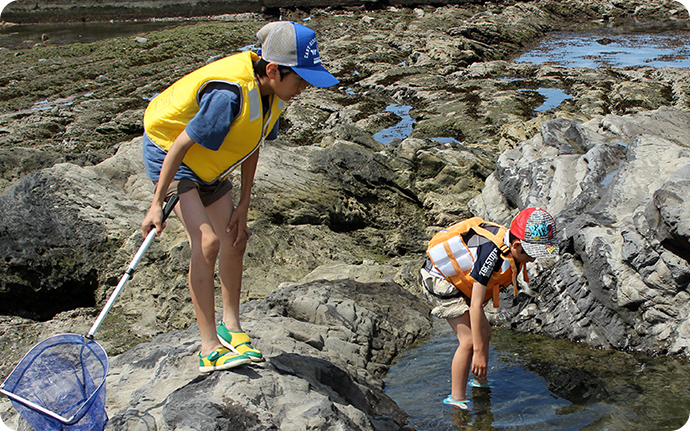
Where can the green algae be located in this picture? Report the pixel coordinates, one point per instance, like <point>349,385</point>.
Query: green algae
<point>92,84</point>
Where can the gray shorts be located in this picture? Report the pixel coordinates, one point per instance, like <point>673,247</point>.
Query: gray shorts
<point>209,193</point>
<point>444,308</point>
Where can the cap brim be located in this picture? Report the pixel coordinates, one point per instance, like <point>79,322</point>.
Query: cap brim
<point>540,250</point>
<point>317,76</point>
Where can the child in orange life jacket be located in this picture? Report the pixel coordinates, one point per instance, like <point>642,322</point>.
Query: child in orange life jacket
<point>196,132</point>
<point>467,265</point>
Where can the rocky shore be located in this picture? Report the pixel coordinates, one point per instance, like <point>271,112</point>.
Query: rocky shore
<point>328,345</point>
<point>28,11</point>
<point>340,221</point>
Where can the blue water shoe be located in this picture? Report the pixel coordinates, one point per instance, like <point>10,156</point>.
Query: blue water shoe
<point>461,404</point>
<point>479,384</point>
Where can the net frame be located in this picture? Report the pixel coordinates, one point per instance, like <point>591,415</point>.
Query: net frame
<point>60,384</point>
<point>85,409</point>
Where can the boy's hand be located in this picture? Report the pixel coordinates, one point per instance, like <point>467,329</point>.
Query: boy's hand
<point>479,364</point>
<point>238,220</point>
<point>154,218</point>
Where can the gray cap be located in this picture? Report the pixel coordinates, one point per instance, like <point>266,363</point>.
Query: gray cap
<point>294,45</point>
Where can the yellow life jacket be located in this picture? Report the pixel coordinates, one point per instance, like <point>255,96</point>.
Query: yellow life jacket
<point>454,259</point>
<point>169,113</point>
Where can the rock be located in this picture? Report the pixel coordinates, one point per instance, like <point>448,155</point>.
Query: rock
<point>43,231</point>
<point>330,202</point>
<point>327,346</point>
<point>328,197</point>
<point>622,279</point>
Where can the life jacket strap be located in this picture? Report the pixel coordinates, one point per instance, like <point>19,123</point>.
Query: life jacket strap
<point>497,238</point>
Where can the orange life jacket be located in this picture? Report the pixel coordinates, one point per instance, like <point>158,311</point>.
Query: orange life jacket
<point>454,259</point>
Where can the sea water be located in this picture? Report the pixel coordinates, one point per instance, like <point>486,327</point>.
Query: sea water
<point>541,384</point>
<point>400,130</point>
<point>605,48</point>
<point>26,35</point>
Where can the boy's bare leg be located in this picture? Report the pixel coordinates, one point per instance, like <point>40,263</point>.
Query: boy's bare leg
<point>462,359</point>
<point>204,244</point>
<point>230,264</point>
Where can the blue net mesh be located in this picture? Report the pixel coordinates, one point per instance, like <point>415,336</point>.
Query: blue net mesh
<point>64,374</point>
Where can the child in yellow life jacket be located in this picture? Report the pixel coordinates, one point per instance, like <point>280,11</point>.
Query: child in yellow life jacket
<point>467,265</point>
<point>196,132</point>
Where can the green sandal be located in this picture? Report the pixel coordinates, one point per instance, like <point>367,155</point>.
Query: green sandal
<point>221,359</point>
<point>239,342</point>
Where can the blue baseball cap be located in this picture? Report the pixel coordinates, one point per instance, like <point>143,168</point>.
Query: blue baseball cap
<point>294,45</point>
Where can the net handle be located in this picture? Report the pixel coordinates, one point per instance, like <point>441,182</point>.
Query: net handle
<point>172,201</point>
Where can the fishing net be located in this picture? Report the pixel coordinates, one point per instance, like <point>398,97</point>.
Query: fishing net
<point>60,385</point>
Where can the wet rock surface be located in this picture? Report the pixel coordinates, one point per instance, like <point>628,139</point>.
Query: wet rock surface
<point>330,202</point>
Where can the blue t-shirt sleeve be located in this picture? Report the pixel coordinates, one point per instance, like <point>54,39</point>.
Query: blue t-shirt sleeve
<point>488,261</point>
<point>274,132</point>
<point>219,105</point>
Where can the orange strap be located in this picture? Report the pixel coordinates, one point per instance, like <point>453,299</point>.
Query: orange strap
<point>451,257</point>
<point>497,239</point>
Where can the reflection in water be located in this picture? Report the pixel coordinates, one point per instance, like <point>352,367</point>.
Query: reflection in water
<point>400,130</point>
<point>542,384</point>
<point>552,98</point>
<point>597,49</point>
<point>27,35</point>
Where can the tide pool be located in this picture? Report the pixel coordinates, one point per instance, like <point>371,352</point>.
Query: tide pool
<point>532,389</point>
<point>608,49</point>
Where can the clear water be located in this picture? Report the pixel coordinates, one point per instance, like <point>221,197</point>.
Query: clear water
<point>521,397</point>
<point>607,49</point>
<point>552,98</point>
<point>402,129</point>
<point>27,35</point>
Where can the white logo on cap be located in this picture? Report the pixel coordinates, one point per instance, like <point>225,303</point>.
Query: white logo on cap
<point>312,52</point>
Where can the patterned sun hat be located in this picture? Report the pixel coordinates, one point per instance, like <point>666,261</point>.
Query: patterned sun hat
<point>536,229</point>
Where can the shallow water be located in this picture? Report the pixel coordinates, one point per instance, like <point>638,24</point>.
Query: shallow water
<point>552,98</point>
<point>602,48</point>
<point>542,384</point>
<point>27,35</point>
<point>607,49</point>
<point>402,129</point>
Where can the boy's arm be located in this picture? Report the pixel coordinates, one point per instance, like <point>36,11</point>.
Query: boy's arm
<point>173,160</point>
<point>239,215</point>
<point>480,344</point>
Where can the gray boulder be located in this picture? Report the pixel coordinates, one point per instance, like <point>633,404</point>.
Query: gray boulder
<point>59,225</point>
<point>327,346</point>
<point>618,188</point>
